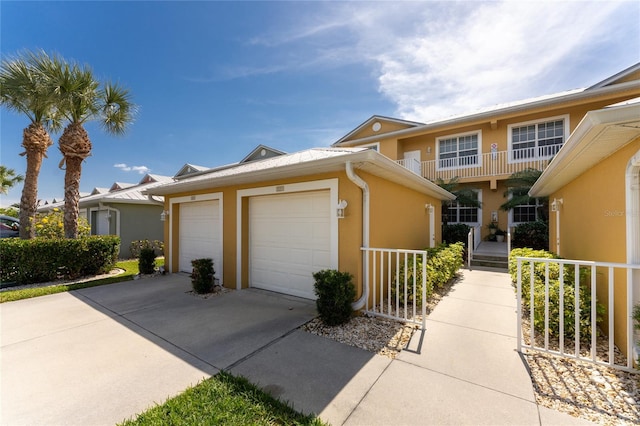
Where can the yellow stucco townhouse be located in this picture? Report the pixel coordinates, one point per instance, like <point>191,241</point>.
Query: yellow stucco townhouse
<point>271,222</point>
<point>484,148</point>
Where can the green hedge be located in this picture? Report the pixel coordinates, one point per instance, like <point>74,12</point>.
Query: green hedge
<point>40,260</point>
<point>442,264</point>
<point>532,235</point>
<point>554,294</point>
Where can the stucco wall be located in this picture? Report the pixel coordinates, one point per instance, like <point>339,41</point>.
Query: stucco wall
<point>593,224</point>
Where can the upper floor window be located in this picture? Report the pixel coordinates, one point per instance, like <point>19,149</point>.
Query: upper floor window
<point>459,151</point>
<point>537,140</point>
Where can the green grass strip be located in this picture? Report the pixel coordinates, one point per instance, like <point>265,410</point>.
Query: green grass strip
<point>130,267</point>
<point>223,400</point>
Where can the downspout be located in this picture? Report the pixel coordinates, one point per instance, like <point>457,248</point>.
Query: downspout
<point>358,304</point>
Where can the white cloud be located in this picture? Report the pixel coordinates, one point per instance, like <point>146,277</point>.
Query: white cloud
<point>435,59</point>
<point>139,169</point>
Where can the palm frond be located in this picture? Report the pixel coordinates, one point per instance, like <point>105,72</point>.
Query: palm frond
<point>118,111</point>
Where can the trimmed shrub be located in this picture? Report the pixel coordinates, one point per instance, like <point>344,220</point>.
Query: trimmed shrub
<point>202,275</point>
<point>533,235</point>
<point>455,233</point>
<point>147,261</point>
<point>136,246</point>
<point>42,259</point>
<point>539,269</point>
<point>335,293</point>
<point>443,263</point>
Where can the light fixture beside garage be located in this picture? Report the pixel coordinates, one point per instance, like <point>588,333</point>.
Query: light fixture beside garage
<point>164,215</point>
<point>342,205</point>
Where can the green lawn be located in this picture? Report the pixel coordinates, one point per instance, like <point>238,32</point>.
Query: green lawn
<point>223,399</point>
<point>130,267</point>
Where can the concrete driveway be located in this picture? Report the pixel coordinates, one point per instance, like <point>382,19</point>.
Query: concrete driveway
<point>100,355</point>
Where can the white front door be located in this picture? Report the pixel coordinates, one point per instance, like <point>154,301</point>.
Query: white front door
<point>289,240</point>
<point>412,161</point>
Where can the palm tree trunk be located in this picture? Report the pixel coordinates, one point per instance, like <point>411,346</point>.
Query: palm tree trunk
<point>35,140</point>
<point>72,196</point>
<point>75,147</point>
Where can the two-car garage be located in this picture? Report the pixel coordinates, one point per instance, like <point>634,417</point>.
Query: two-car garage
<point>289,234</point>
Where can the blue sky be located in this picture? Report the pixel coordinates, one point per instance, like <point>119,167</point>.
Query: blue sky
<point>215,79</point>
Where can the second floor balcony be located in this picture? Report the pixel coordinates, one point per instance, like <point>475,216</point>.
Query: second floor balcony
<point>487,165</point>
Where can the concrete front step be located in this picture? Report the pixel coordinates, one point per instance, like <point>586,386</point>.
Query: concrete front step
<point>500,262</point>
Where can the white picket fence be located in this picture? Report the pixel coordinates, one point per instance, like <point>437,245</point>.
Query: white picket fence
<point>580,347</point>
<point>393,287</point>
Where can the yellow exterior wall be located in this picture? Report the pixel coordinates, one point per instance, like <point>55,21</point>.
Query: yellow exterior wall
<point>593,224</point>
<point>398,219</point>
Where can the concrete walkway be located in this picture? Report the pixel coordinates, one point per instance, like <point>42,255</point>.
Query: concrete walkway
<point>100,355</point>
<point>464,370</point>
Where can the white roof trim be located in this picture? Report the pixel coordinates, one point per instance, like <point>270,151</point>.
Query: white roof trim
<point>615,77</point>
<point>496,112</point>
<point>304,163</point>
<point>599,134</point>
<point>375,118</point>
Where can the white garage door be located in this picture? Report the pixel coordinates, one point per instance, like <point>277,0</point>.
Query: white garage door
<point>200,234</point>
<point>289,239</point>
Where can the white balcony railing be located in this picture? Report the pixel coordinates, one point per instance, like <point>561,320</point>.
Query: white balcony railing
<point>475,166</point>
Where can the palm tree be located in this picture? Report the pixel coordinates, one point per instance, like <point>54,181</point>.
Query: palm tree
<point>23,89</point>
<point>465,196</point>
<point>517,193</point>
<point>81,99</point>
<point>8,179</point>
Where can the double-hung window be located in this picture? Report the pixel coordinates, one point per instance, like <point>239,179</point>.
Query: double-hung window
<point>459,151</point>
<point>537,140</point>
<point>456,212</point>
<point>526,212</point>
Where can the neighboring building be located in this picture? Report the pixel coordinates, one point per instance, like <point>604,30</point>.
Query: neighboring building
<point>123,210</point>
<point>271,223</point>
<point>593,185</point>
<point>484,148</point>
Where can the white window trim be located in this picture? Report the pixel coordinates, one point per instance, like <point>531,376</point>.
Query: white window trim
<point>473,224</point>
<point>192,199</point>
<point>510,127</point>
<point>457,135</point>
<point>104,208</point>
<point>375,145</point>
<point>511,220</point>
<point>330,184</point>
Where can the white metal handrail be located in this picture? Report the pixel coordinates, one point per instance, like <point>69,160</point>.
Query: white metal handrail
<point>470,248</point>
<point>608,279</point>
<point>388,296</point>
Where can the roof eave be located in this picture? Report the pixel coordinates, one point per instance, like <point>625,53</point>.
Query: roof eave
<point>468,119</point>
<point>564,167</point>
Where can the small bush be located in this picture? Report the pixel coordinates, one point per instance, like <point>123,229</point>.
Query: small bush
<point>202,275</point>
<point>533,235</point>
<point>455,233</point>
<point>136,246</point>
<point>539,270</point>
<point>147,261</point>
<point>335,293</point>
<point>443,263</point>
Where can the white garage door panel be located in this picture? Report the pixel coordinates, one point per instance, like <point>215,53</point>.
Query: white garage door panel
<point>200,233</point>
<point>289,240</point>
